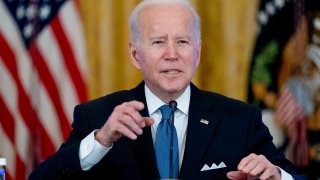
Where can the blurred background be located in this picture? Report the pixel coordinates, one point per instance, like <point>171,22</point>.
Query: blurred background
<point>55,54</point>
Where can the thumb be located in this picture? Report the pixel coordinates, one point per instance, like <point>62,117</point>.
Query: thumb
<point>236,175</point>
<point>149,121</point>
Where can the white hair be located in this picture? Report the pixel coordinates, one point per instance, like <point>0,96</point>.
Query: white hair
<point>134,18</point>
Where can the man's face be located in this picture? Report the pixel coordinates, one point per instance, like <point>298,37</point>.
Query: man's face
<point>167,51</point>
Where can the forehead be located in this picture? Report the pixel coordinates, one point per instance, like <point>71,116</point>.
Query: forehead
<point>165,15</point>
<point>165,8</point>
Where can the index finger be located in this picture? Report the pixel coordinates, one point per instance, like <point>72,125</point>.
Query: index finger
<point>132,109</point>
<point>246,160</point>
<point>136,105</point>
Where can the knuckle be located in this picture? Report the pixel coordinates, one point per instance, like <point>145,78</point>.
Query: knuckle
<point>274,170</point>
<point>131,112</point>
<point>138,130</point>
<point>252,155</point>
<point>261,157</point>
<point>121,129</point>
<point>125,103</point>
<point>117,108</point>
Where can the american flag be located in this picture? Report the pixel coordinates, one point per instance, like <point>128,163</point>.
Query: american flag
<point>288,109</point>
<point>42,78</point>
<point>294,103</point>
<point>293,107</point>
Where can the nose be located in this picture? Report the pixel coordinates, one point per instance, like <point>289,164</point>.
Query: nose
<point>171,51</point>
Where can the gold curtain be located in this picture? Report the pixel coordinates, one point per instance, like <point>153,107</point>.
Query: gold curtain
<point>228,32</point>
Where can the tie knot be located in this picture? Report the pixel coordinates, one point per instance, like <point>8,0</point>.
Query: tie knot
<point>166,111</point>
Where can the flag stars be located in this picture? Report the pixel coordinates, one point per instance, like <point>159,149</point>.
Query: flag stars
<point>31,12</point>
<point>279,3</point>
<point>32,15</point>
<point>27,31</point>
<point>44,12</point>
<point>20,12</point>
<point>263,18</point>
<point>316,23</point>
<point>270,8</point>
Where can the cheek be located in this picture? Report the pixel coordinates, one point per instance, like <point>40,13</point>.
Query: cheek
<point>148,65</point>
<point>152,59</point>
<point>192,60</point>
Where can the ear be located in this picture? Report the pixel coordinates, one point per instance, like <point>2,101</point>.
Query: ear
<point>133,51</point>
<point>198,54</point>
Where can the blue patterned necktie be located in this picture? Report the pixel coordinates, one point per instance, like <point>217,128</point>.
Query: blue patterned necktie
<point>162,145</point>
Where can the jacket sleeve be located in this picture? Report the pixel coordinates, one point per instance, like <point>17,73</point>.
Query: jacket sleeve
<point>260,142</point>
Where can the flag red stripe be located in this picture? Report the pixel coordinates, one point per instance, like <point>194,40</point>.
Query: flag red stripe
<point>8,177</point>
<point>9,61</point>
<point>286,116</point>
<point>27,112</point>
<point>69,59</point>
<point>50,85</point>
<point>8,57</point>
<point>7,121</point>
<point>288,109</point>
<point>284,98</point>
<point>20,169</point>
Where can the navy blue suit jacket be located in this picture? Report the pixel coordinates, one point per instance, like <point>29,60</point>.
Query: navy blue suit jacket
<point>234,130</point>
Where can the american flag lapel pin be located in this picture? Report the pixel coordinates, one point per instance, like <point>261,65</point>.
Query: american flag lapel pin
<point>206,122</point>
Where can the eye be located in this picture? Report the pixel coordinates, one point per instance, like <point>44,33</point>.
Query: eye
<point>183,42</point>
<point>158,42</point>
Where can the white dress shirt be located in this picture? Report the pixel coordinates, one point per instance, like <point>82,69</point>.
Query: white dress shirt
<point>91,151</point>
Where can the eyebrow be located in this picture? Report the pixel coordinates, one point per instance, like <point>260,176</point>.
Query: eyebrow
<point>183,37</point>
<point>165,37</point>
<point>158,37</point>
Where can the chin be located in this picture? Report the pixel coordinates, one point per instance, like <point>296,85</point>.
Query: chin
<point>174,88</point>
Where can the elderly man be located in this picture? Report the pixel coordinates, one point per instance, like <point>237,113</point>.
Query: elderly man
<point>130,134</point>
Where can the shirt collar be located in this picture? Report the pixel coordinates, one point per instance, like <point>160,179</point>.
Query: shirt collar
<point>153,102</point>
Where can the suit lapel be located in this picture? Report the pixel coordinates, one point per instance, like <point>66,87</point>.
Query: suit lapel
<point>143,146</point>
<point>201,124</point>
<point>199,134</point>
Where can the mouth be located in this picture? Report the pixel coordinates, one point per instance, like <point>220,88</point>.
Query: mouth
<point>171,72</point>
